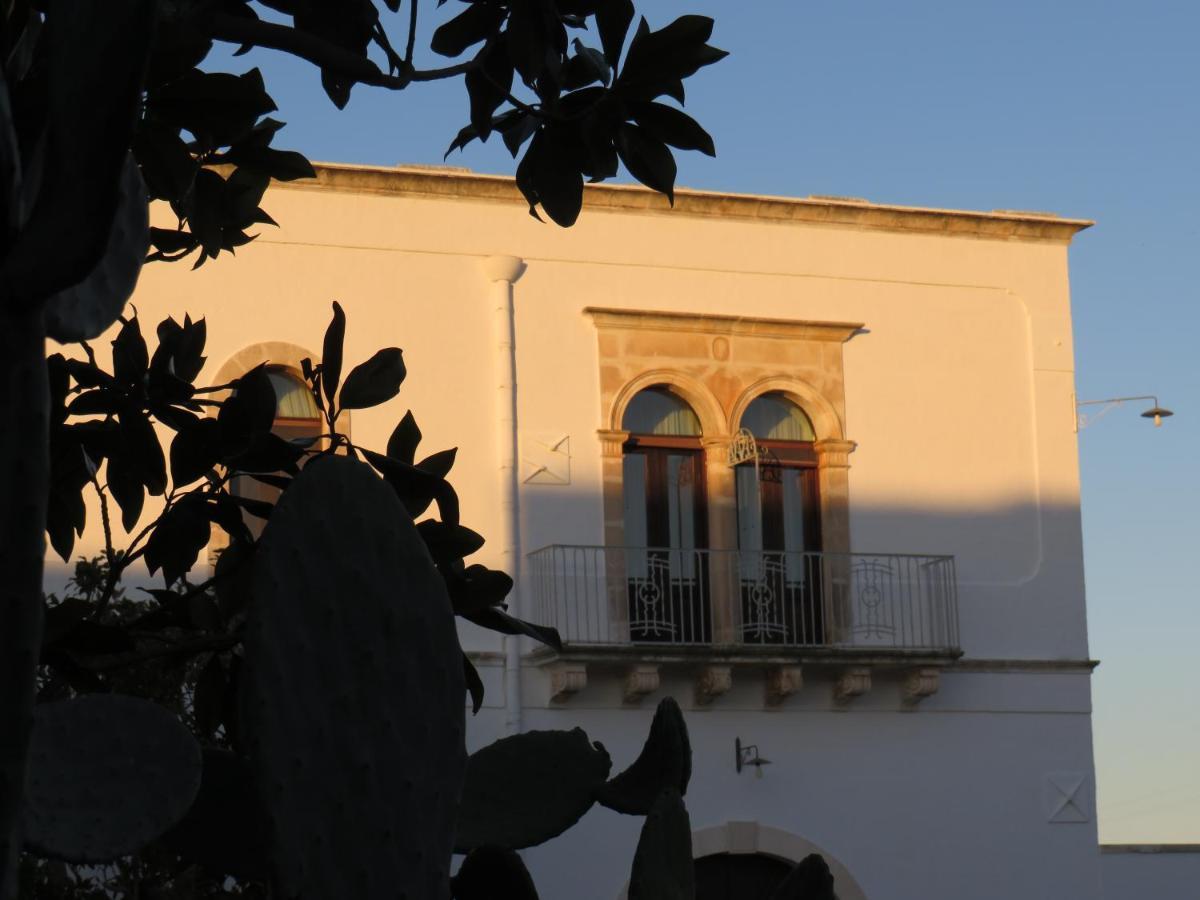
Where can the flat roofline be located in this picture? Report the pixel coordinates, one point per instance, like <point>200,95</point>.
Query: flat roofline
<point>451,182</point>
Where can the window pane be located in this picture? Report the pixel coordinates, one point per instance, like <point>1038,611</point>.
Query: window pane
<point>635,514</point>
<point>293,399</point>
<point>793,524</point>
<point>749,511</point>
<point>657,411</point>
<point>773,417</point>
<point>681,507</point>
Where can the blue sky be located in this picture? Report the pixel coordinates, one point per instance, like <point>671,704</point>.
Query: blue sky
<point>1083,107</point>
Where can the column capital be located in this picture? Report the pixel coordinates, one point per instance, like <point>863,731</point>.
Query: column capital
<point>834,453</point>
<point>612,443</point>
<point>503,268</point>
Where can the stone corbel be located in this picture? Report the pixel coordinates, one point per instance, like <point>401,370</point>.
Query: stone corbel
<point>640,681</point>
<point>612,443</point>
<point>566,679</point>
<point>851,683</point>
<point>782,682</point>
<point>834,454</point>
<point>712,682</point>
<point>919,684</point>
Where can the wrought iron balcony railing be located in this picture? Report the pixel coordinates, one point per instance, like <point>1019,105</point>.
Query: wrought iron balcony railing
<point>608,596</point>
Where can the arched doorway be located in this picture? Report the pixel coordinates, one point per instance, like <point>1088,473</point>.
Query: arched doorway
<point>665,520</point>
<point>741,876</point>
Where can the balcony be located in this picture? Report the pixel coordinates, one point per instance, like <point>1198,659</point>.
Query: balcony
<point>716,610</point>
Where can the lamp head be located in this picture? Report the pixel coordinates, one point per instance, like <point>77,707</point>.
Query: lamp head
<point>1157,413</point>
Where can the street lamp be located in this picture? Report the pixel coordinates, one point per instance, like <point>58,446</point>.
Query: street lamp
<point>1155,412</point>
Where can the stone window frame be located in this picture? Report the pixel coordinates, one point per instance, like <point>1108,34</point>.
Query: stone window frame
<point>732,343</point>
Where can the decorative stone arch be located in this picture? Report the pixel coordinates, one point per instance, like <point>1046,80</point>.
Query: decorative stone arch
<point>691,390</point>
<point>737,838</point>
<point>826,422</point>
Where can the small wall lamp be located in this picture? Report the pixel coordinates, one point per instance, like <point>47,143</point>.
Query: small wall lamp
<point>747,755</point>
<point>1155,412</point>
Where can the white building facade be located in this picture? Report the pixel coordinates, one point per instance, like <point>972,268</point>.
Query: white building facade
<point>807,466</point>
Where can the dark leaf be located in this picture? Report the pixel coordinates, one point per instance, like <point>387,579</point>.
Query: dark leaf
<point>556,176</point>
<point>402,445</point>
<point>331,354</point>
<point>86,374</point>
<point>126,487</point>
<point>465,135</point>
<point>101,402</point>
<point>167,166</point>
<point>647,159</point>
<point>143,451</point>
<point>268,453</point>
<point>176,542</point>
<point>223,511</point>
<point>217,107</point>
<point>474,684</point>
<point>495,619</point>
<point>477,588</point>
<point>374,382</point>
<point>488,86</point>
<point>415,487</point>
<point>517,131</point>
<point>282,165</point>
<point>671,126</point>
<point>194,451</point>
<point>471,26</point>
<point>612,21</point>
<point>130,358</point>
<point>248,412</point>
<point>439,463</point>
<point>448,542</point>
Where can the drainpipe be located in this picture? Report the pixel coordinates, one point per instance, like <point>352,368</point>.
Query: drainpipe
<point>502,272</point>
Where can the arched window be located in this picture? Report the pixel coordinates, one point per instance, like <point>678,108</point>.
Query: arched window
<point>297,419</point>
<point>296,414</point>
<point>779,527</point>
<point>665,520</point>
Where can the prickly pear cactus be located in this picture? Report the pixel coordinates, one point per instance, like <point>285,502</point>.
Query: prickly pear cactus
<point>525,789</point>
<point>353,700</point>
<point>108,774</point>
<point>809,880</point>
<point>662,866</point>
<point>225,829</point>
<point>492,872</point>
<point>665,761</point>
<point>83,312</point>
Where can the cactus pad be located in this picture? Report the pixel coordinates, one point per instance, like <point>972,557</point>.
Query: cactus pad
<point>525,789</point>
<point>85,311</point>
<point>108,774</point>
<point>665,762</point>
<point>226,828</point>
<point>662,866</point>
<point>352,706</point>
<point>809,880</point>
<point>493,872</point>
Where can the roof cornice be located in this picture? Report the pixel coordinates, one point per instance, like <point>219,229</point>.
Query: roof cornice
<point>463,184</point>
<point>706,323</point>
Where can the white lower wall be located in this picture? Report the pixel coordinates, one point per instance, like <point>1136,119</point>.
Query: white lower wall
<point>935,803</point>
<point>1158,871</point>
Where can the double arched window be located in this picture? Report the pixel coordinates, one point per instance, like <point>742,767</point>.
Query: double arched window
<point>669,568</point>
